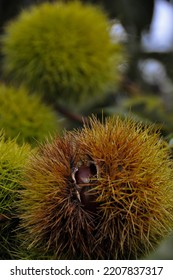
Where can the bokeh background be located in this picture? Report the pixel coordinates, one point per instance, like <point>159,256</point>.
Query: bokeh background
<point>141,34</point>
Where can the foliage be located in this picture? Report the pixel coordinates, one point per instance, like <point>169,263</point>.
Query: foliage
<point>63,51</point>
<point>145,107</point>
<point>25,115</point>
<point>107,186</point>
<point>12,160</point>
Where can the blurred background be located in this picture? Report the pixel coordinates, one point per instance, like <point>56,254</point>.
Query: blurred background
<point>141,33</point>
